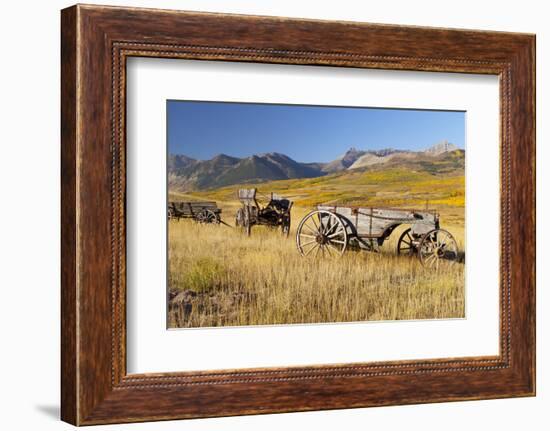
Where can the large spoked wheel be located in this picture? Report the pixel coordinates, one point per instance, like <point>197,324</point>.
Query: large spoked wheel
<point>437,247</point>
<point>321,232</point>
<point>405,245</point>
<point>208,216</point>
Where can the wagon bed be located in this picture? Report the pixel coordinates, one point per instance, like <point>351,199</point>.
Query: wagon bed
<point>203,212</point>
<point>371,222</point>
<point>331,229</point>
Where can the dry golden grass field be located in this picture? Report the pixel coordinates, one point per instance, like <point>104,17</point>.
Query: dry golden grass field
<point>220,277</point>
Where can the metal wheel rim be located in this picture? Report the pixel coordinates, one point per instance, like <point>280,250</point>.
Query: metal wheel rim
<point>321,233</point>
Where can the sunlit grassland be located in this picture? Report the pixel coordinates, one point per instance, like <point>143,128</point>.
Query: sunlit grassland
<point>261,279</point>
<point>401,188</point>
<point>225,278</point>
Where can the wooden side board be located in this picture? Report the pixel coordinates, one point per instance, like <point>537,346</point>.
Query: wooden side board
<point>95,42</point>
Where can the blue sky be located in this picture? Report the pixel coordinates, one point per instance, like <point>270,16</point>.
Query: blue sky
<point>305,133</point>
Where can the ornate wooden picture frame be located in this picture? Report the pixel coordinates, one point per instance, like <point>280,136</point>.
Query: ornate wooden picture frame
<point>96,41</point>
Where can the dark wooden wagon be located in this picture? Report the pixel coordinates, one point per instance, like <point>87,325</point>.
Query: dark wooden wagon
<point>275,214</point>
<point>330,230</point>
<point>202,212</point>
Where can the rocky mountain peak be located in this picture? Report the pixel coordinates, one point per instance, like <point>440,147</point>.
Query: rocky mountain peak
<point>440,148</point>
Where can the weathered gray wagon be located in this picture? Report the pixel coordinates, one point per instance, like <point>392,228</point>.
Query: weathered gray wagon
<point>202,212</point>
<point>330,230</point>
<point>276,213</point>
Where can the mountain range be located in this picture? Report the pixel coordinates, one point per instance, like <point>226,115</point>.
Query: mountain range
<point>186,173</point>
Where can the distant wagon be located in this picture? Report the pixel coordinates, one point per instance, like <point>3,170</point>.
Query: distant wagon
<point>330,230</point>
<point>202,212</point>
<point>275,214</point>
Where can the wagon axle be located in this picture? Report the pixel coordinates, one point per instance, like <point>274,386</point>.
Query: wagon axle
<point>321,239</point>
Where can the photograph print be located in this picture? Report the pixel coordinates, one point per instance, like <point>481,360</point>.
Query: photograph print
<point>301,214</point>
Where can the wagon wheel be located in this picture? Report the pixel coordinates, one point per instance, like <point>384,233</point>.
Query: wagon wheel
<point>321,231</point>
<point>285,226</point>
<point>405,245</point>
<point>208,216</point>
<point>437,246</point>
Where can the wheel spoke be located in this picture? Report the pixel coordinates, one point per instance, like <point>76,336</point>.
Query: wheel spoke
<point>429,261</point>
<point>308,235</point>
<point>317,250</point>
<point>340,232</point>
<point>320,221</point>
<point>313,231</point>
<point>311,249</point>
<point>428,255</point>
<point>406,244</point>
<point>312,246</point>
<point>307,243</point>
<point>323,224</point>
<point>335,249</point>
<point>335,225</point>
<point>315,224</point>
<point>337,241</point>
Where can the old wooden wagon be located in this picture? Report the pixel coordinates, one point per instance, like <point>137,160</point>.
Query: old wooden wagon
<point>275,214</point>
<point>330,230</point>
<point>202,212</point>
